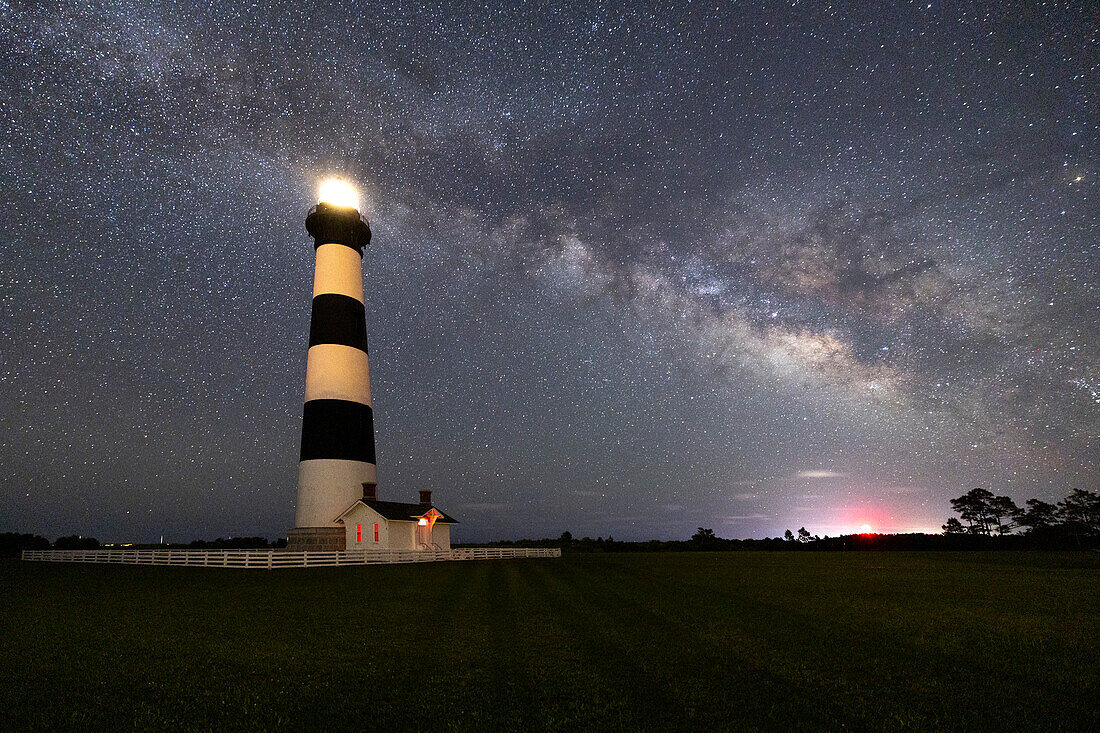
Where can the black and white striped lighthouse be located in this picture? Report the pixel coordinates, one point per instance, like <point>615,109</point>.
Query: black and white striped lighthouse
<point>337,458</point>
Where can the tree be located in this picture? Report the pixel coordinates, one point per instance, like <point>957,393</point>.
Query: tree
<point>566,537</point>
<point>953,526</point>
<point>705,539</point>
<point>1003,511</point>
<point>76,542</point>
<point>789,536</point>
<point>803,535</point>
<point>973,507</point>
<point>1039,515</point>
<point>1081,513</point>
<point>12,543</point>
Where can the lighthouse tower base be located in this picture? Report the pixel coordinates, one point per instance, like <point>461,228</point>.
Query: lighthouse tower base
<point>316,539</point>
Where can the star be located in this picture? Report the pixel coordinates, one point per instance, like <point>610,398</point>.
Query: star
<point>665,254</point>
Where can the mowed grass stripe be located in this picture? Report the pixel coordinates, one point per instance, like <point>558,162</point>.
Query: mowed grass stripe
<point>698,662</point>
<point>882,635</point>
<point>634,642</point>
<point>617,652</point>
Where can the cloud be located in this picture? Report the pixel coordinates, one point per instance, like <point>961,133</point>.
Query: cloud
<point>827,299</point>
<point>821,474</point>
<point>847,256</point>
<point>725,334</point>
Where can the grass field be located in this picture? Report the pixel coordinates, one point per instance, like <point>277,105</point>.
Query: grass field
<point>632,641</point>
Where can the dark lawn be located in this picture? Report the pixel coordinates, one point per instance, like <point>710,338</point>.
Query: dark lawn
<point>632,641</point>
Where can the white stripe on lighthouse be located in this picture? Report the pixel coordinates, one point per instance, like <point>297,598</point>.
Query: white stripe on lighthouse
<point>326,483</point>
<point>339,270</point>
<point>337,372</point>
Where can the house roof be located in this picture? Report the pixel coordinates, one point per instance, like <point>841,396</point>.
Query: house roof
<point>406,511</point>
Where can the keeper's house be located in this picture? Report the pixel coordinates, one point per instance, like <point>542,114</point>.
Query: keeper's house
<point>370,524</point>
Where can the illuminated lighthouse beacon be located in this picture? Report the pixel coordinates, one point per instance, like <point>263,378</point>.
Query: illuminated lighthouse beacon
<point>338,507</point>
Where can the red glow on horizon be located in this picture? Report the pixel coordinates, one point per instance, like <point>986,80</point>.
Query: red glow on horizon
<point>861,518</point>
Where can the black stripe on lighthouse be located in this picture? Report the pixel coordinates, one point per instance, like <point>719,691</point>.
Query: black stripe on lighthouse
<point>339,429</point>
<point>338,319</point>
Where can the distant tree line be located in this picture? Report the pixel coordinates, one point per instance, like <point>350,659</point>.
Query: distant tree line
<point>706,540</point>
<point>992,522</point>
<point>12,544</point>
<point>987,522</point>
<point>232,543</point>
<point>1074,521</point>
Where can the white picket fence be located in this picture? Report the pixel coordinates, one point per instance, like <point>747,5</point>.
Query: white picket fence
<point>272,559</point>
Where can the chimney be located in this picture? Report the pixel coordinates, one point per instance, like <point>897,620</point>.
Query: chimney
<point>426,498</point>
<point>370,492</point>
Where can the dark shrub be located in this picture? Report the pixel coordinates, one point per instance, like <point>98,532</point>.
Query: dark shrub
<point>12,544</point>
<point>76,542</point>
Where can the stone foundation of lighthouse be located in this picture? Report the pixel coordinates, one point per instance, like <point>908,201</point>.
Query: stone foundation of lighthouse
<point>337,463</point>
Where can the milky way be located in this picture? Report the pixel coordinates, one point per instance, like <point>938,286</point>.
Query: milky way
<point>634,270</point>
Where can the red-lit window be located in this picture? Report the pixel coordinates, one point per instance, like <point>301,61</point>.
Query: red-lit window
<point>376,533</point>
<point>358,533</point>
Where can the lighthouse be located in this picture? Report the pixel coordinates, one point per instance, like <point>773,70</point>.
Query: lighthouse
<point>336,465</point>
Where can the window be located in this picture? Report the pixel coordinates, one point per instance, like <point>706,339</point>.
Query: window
<point>376,533</point>
<point>358,533</point>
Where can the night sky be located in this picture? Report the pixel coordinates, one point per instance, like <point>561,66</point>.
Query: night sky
<point>635,269</point>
